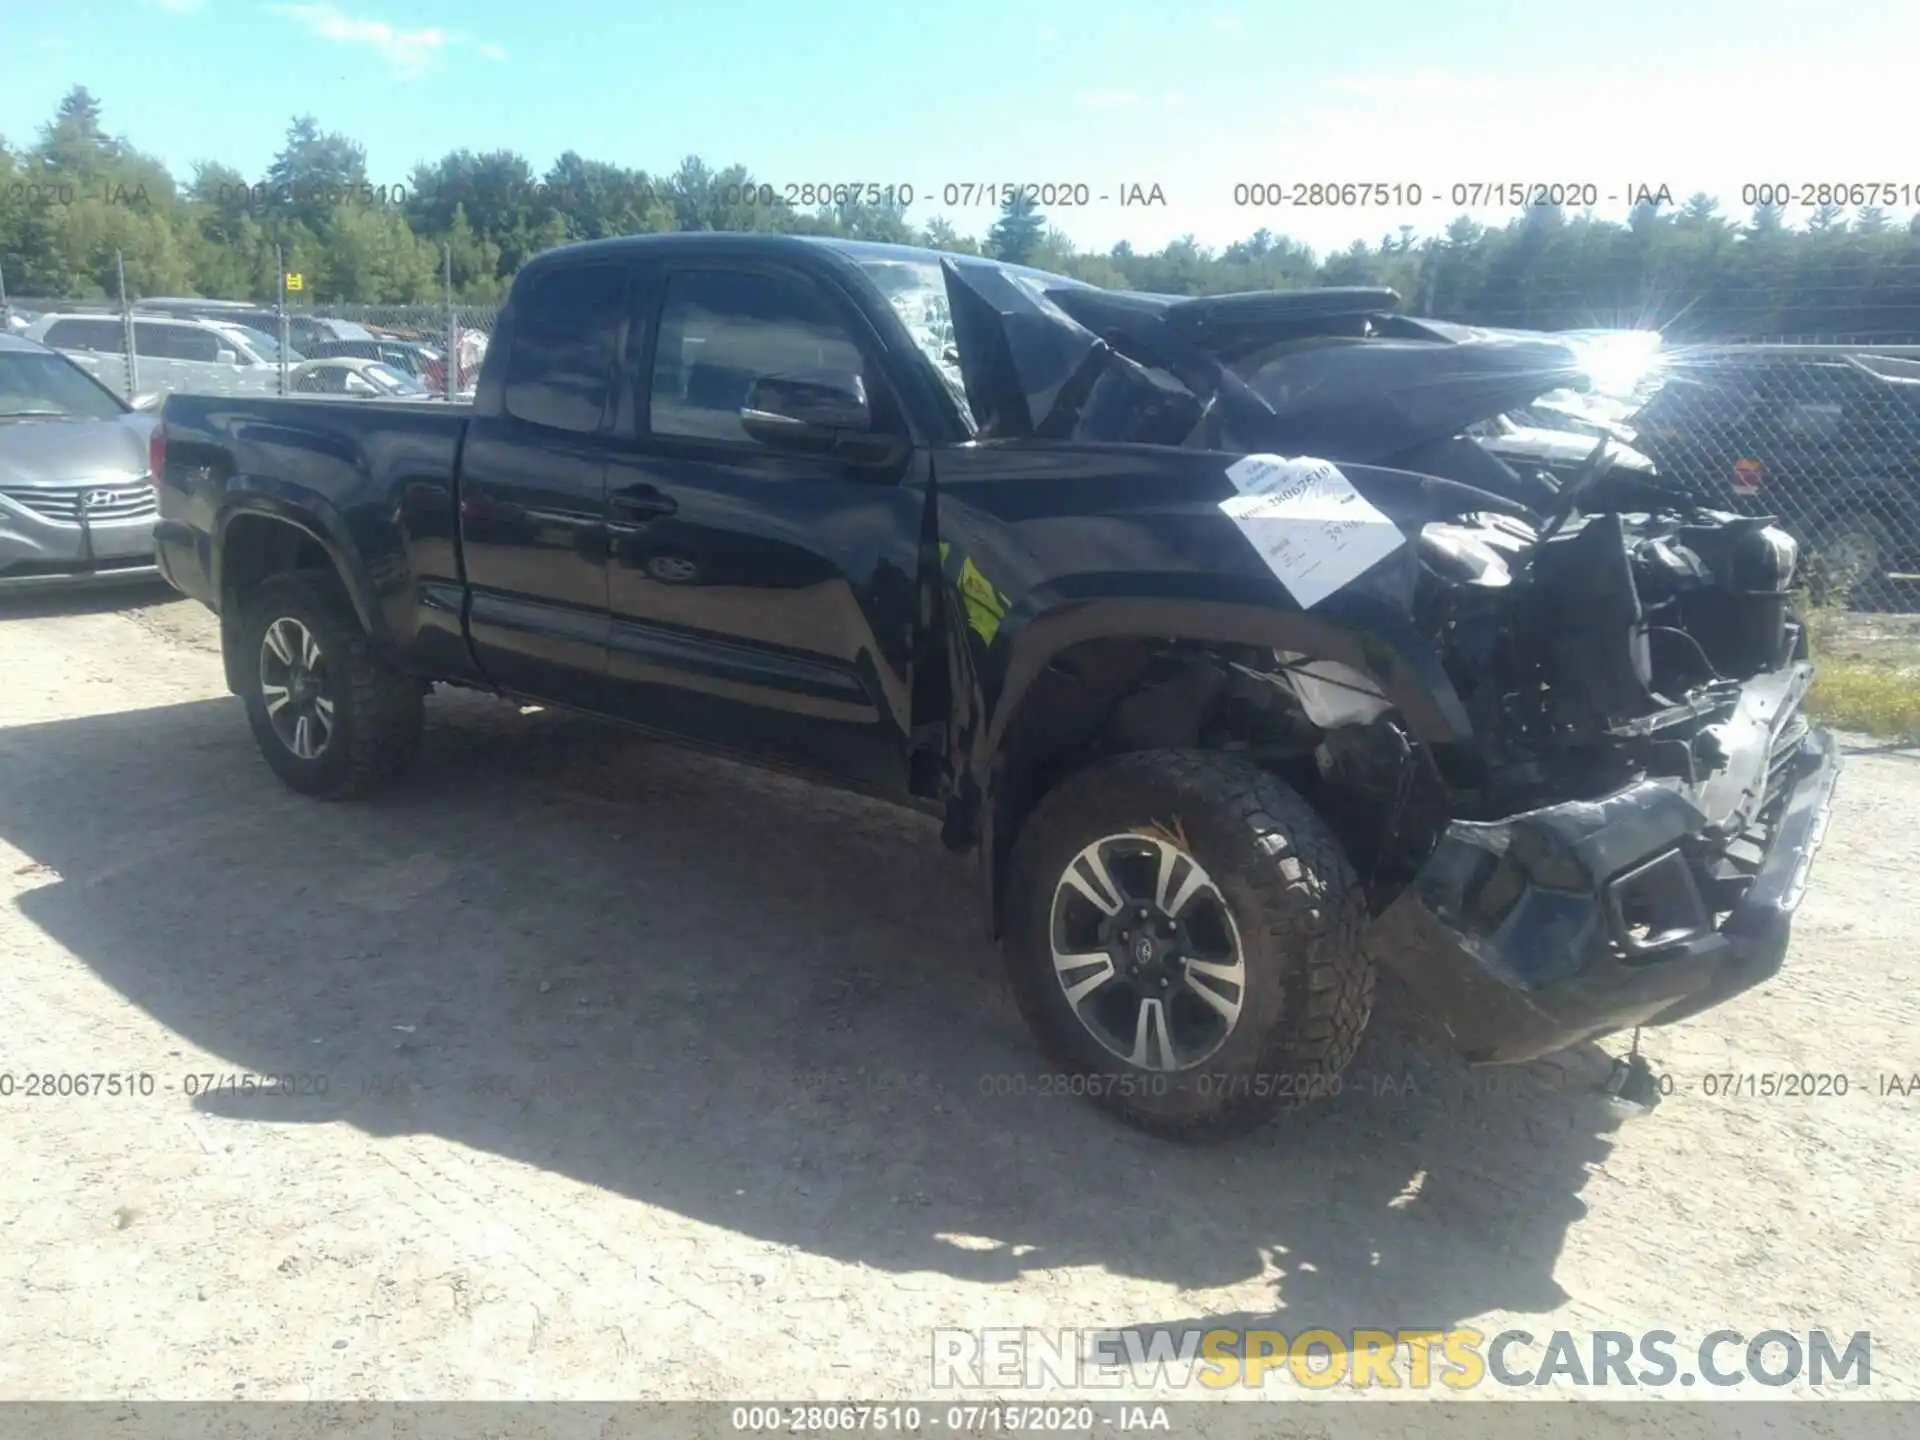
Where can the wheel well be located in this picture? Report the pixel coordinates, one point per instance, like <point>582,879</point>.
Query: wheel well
<point>1112,696</point>
<point>254,548</point>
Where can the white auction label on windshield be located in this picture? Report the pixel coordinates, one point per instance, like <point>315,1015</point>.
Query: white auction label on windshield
<point>1313,529</point>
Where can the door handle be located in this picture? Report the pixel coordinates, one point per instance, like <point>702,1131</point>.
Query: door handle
<point>646,503</point>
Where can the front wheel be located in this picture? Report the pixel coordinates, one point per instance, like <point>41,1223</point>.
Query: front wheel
<point>331,719</point>
<point>1184,937</point>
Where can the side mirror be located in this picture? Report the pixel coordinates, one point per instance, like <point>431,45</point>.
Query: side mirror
<point>821,412</point>
<point>225,357</point>
<point>813,406</point>
<point>148,401</point>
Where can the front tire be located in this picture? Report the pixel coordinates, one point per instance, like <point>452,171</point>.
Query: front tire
<point>331,718</point>
<point>1183,933</point>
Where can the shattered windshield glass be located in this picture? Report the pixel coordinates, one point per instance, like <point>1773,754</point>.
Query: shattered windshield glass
<point>918,293</point>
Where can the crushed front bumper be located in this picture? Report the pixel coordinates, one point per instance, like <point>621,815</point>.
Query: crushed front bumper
<point>1521,936</point>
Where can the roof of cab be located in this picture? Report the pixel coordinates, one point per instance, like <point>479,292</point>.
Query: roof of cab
<point>748,243</point>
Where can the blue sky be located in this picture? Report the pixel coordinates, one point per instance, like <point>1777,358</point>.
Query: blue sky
<point>1194,97</point>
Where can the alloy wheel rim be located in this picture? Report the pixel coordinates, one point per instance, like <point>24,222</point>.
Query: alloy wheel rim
<point>294,688</point>
<point>1146,952</point>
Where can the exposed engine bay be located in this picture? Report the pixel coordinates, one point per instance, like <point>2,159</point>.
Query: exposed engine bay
<point>1642,796</point>
<point>1622,649</point>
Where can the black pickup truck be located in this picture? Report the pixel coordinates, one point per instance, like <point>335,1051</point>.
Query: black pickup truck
<point>1200,624</point>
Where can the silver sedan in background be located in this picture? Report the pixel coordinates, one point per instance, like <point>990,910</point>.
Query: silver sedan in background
<point>75,503</point>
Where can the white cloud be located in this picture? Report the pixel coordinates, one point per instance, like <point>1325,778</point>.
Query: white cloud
<point>493,52</point>
<point>409,51</point>
<point>1107,99</point>
<point>179,7</point>
<point>1227,23</point>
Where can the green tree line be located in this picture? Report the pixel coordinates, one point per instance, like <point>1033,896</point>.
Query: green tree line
<point>79,202</point>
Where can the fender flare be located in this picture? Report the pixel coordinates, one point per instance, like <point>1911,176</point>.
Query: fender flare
<point>318,521</point>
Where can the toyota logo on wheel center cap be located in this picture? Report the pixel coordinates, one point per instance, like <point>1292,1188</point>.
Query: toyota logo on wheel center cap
<point>1143,950</point>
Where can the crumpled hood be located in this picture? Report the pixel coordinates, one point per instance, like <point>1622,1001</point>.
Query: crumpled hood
<point>1300,372</point>
<point>1376,398</point>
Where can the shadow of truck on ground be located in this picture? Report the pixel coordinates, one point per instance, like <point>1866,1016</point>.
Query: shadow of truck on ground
<point>758,1003</point>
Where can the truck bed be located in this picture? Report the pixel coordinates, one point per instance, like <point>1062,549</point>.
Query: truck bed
<point>373,484</point>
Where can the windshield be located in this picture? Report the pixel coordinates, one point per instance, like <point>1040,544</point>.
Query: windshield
<point>46,385</point>
<point>918,293</point>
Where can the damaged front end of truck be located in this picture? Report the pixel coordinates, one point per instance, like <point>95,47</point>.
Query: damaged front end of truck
<point>1620,831</point>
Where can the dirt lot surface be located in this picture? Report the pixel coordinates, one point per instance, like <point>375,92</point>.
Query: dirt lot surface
<point>648,1075</point>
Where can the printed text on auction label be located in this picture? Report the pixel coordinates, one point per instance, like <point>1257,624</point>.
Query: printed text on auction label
<point>1311,527</point>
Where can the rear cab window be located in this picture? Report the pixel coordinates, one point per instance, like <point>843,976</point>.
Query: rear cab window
<point>566,335</point>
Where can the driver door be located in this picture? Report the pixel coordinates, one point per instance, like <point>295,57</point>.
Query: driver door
<point>762,597</point>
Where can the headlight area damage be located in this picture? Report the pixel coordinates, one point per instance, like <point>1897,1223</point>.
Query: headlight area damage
<point>1624,825</point>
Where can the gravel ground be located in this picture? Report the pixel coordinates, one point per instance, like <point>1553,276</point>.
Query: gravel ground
<point>648,1075</point>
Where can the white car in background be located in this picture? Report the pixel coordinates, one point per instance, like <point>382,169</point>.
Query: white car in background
<point>356,377</point>
<point>203,357</point>
<point>303,329</point>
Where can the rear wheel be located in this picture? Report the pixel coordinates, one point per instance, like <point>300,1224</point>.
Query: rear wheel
<point>1184,938</point>
<point>1847,560</point>
<point>331,718</point>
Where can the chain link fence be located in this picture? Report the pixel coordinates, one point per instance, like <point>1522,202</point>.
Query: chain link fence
<point>154,348</point>
<point>148,348</point>
<point>1825,437</point>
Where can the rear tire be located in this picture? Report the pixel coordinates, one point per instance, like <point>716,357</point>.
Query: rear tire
<point>1847,560</point>
<point>1223,867</point>
<point>331,718</point>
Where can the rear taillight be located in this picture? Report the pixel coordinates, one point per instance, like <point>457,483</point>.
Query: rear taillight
<point>156,456</point>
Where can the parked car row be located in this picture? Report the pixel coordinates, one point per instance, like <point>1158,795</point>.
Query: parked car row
<point>303,331</point>
<point>217,347</point>
<point>209,356</point>
<point>76,502</point>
